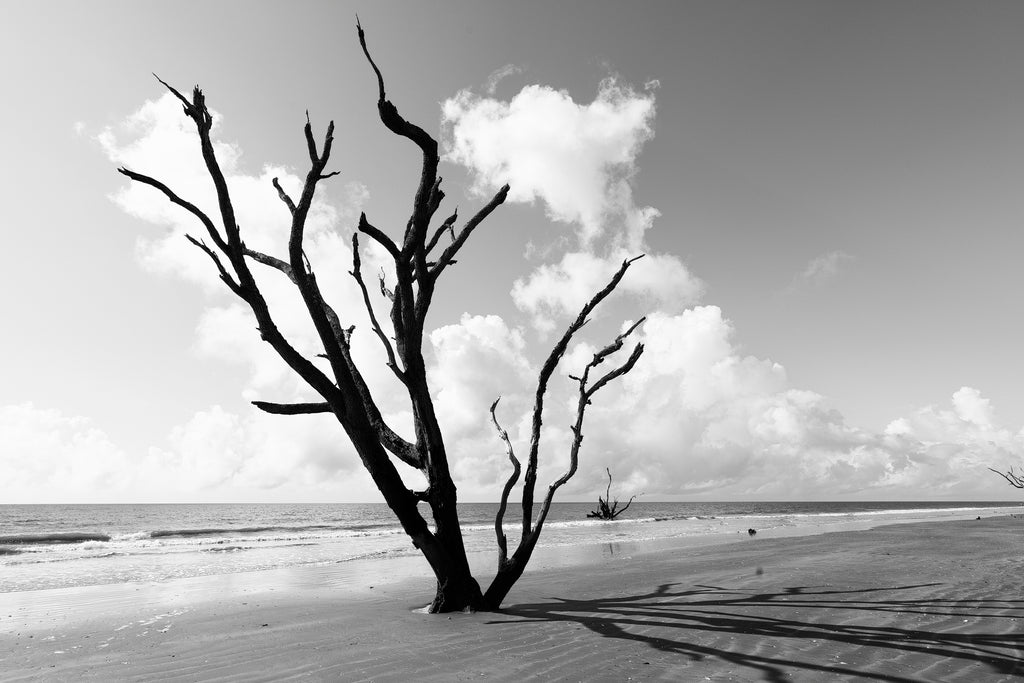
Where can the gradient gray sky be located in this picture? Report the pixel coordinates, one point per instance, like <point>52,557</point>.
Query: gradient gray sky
<point>841,176</point>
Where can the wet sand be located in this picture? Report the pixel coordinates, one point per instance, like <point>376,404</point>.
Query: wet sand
<point>934,601</point>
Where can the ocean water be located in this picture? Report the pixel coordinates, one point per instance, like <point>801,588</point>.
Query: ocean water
<point>57,546</point>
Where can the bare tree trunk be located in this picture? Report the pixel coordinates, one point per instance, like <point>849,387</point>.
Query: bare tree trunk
<point>342,388</point>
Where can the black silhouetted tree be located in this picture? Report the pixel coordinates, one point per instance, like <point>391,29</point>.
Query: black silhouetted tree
<point>419,261</point>
<point>607,508</point>
<point>1012,478</point>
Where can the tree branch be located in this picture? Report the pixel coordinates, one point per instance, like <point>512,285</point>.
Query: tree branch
<point>617,372</point>
<point>184,100</point>
<point>284,196</point>
<point>293,408</point>
<point>415,233</point>
<point>530,478</point>
<point>448,254</point>
<point>175,199</point>
<point>585,395</point>
<point>389,115</point>
<point>378,236</point>
<point>224,276</point>
<point>626,506</point>
<point>234,250</point>
<point>356,273</point>
<point>512,479</point>
<point>445,227</point>
<point>271,261</point>
<point>1013,479</point>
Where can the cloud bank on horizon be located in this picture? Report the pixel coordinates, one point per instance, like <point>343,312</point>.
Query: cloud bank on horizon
<point>696,417</point>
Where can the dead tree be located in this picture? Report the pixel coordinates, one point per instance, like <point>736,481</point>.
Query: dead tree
<point>419,260</point>
<point>606,508</point>
<point>1015,480</point>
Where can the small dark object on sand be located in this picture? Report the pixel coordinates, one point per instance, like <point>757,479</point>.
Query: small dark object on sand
<point>751,531</point>
<point>977,518</point>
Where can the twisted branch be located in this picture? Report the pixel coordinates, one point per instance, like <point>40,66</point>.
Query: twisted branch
<point>356,273</point>
<point>512,479</point>
<point>1013,479</point>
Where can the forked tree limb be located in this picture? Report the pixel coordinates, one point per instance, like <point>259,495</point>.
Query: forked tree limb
<point>175,199</point>
<point>447,256</point>
<point>272,262</point>
<point>443,228</point>
<point>331,332</point>
<point>345,394</point>
<point>617,372</point>
<point>585,394</point>
<point>224,275</point>
<point>512,568</point>
<point>530,478</point>
<point>231,246</point>
<point>393,121</point>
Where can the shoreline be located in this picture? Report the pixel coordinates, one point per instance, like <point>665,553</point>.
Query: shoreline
<point>565,543</point>
<point>913,601</point>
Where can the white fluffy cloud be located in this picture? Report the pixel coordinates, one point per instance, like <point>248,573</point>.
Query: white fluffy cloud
<point>578,160</point>
<point>697,417</point>
<point>43,450</point>
<point>49,457</point>
<point>217,448</point>
<point>658,281</point>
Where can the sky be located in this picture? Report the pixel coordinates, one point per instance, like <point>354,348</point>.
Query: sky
<point>827,194</point>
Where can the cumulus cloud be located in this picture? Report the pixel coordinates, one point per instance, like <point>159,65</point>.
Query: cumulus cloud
<point>49,457</point>
<point>578,161</point>
<point>43,450</point>
<point>697,417</point>
<point>658,281</point>
<point>575,158</point>
<point>216,448</point>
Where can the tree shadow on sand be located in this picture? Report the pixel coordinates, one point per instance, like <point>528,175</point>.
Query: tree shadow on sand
<point>662,619</point>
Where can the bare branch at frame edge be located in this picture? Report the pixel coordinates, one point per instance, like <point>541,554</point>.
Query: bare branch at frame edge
<point>1012,478</point>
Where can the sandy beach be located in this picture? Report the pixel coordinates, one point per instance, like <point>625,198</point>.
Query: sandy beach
<point>935,601</point>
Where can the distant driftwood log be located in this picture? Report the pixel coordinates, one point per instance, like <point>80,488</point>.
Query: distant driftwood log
<point>605,510</point>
